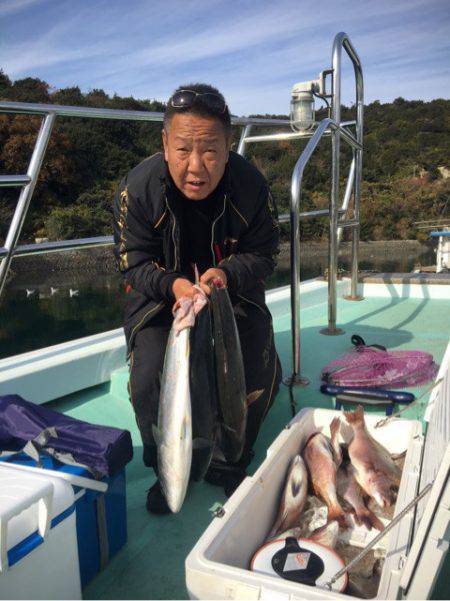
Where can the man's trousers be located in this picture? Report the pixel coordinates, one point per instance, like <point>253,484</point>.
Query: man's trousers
<point>261,365</point>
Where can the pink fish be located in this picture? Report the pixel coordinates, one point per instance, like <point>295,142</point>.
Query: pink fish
<point>293,498</point>
<point>375,470</point>
<point>318,455</point>
<point>349,489</point>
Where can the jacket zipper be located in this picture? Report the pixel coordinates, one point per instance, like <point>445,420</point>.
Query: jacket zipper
<point>212,230</point>
<point>173,235</point>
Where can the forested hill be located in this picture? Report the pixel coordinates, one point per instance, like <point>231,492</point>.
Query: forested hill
<point>406,164</point>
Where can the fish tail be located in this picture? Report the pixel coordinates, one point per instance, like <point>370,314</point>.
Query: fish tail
<point>336,512</point>
<point>357,517</point>
<point>334,427</point>
<point>355,417</point>
<point>370,520</point>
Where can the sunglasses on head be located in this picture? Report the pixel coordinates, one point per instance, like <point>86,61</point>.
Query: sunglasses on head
<point>186,99</point>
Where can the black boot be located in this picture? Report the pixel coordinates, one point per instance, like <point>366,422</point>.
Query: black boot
<point>226,475</point>
<point>156,501</point>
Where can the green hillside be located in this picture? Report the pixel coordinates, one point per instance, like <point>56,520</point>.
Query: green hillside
<point>406,161</point>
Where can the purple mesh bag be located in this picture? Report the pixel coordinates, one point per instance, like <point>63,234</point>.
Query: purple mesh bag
<point>103,450</point>
<point>368,366</point>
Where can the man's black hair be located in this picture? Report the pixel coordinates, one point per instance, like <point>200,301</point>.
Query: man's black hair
<point>199,107</point>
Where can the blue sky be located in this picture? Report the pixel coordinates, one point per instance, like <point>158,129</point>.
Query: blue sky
<point>252,50</point>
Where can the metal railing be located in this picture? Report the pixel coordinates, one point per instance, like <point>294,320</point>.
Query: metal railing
<point>336,129</point>
<point>27,182</point>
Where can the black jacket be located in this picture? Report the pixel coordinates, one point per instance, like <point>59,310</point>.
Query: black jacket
<point>245,237</point>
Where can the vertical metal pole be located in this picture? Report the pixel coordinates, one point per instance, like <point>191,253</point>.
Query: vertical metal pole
<point>245,133</point>
<point>25,196</point>
<point>296,379</point>
<point>358,174</point>
<point>332,330</point>
<point>296,188</point>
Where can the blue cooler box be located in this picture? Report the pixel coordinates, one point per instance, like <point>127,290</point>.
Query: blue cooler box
<point>101,518</point>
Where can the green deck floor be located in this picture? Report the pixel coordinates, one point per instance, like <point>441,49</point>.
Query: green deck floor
<point>151,565</point>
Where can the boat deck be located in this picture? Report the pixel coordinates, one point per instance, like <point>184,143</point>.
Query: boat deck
<point>151,565</point>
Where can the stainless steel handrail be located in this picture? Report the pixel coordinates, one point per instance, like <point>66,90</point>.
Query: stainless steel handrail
<point>25,196</point>
<point>28,108</point>
<point>302,135</point>
<point>59,245</point>
<point>343,41</point>
<point>337,129</point>
<point>296,190</point>
<point>11,181</point>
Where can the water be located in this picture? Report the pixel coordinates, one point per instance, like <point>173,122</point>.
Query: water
<point>37,319</point>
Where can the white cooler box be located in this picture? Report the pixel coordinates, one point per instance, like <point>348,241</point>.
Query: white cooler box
<point>38,544</point>
<point>218,566</point>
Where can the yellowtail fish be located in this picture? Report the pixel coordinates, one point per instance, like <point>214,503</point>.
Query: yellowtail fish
<point>173,435</point>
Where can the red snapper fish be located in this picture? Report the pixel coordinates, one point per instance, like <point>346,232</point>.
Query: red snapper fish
<point>375,471</point>
<point>349,489</point>
<point>318,455</point>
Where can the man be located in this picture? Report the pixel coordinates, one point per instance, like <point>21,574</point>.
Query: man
<point>196,203</point>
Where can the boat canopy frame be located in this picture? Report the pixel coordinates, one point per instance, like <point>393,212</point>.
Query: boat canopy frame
<point>338,215</point>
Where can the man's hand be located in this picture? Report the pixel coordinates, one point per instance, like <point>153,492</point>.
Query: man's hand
<point>183,287</point>
<point>210,275</point>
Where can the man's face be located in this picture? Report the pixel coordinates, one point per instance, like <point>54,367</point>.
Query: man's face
<point>196,150</point>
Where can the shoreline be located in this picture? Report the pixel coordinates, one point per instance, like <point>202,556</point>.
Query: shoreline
<point>100,261</point>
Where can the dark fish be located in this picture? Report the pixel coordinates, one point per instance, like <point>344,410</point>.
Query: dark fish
<point>203,390</point>
<point>230,376</point>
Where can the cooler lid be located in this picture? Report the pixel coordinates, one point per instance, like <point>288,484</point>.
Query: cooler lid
<point>432,520</point>
<point>29,506</point>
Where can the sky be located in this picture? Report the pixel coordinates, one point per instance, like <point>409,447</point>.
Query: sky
<point>253,51</point>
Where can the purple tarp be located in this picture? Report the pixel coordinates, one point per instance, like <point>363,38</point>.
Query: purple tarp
<point>104,450</point>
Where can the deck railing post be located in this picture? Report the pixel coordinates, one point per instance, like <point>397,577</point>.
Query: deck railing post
<point>25,195</point>
<point>343,41</point>
<point>354,295</point>
<point>244,134</point>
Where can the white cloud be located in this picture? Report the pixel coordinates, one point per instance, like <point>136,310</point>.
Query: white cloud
<point>8,7</point>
